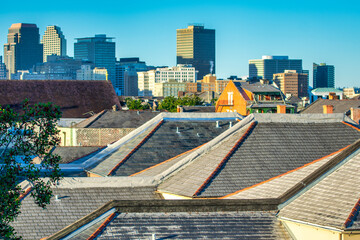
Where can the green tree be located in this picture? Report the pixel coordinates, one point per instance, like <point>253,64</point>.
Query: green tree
<point>136,104</point>
<point>170,103</point>
<point>23,137</point>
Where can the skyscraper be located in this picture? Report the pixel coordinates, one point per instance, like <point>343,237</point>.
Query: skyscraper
<point>323,75</point>
<point>100,50</point>
<point>291,82</point>
<point>266,67</point>
<point>54,42</point>
<point>195,45</point>
<point>23,49</point>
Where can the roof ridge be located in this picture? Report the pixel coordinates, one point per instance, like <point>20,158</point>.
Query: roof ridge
<point>225,159</point>
<point>350,125</point>
<point>283,174</point>
<point>102,226</point>
<point>181,154</point>
<point>354,212</point>
<point>135,149</point>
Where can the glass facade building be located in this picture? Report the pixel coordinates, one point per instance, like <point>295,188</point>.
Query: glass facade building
<point>323,76</point>
<point>99,50</point>
<point>23,49</point>
<point>266,67</point>
<point>195,45</point>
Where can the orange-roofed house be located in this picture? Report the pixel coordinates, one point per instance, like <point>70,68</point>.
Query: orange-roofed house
<point>252,97</point>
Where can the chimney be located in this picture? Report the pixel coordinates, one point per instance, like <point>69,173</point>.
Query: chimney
<point>355,114</point>
<point>332,96</point>
<point>281,108</point>
<point>179,109</point>
<point>327,109</point>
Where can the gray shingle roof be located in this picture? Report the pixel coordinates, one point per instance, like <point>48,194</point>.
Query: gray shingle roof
<point>195,225</point>
<point>257,87</point>
<point>165,143</point>
<point>278,186</point>
<point>329,202</point>
<point>75,203</point>
<point>272,149</point>
<point>121,119</point>
<point>69,154</point>
<point>340,106</point>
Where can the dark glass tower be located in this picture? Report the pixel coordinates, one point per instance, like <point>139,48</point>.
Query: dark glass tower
<point>195,45</point>
<point>23,49</point>
<point>99,50</point>
<point>323,76</point>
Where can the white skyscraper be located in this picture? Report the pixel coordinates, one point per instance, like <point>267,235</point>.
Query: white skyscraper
<point>54,42</point>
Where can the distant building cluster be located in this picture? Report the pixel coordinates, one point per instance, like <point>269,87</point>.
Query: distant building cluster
<point>28,58</point>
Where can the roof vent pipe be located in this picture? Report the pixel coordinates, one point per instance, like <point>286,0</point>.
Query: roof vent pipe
<point>198,134</point>
<point>57,198</point>
<point>153,237</point>
<point>217,124</point>
<point>177,130</point>
<point>230,125</point>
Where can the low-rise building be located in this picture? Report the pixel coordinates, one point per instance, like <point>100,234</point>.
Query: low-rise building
<point>252,97</point>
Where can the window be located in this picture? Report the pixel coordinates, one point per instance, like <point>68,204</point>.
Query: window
<point>230,98</point>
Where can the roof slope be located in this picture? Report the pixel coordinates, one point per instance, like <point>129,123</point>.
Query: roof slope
<point>256,87</point>
<point>74,97</point>
<point>276,187</point>
<point>121,119</point>
<point>331,201</point>
<point>70,154</point>
<point>166,143</point>
<point>73,204</point>
<point>276,145</point>
<point>340,106</point>
<point>196,225</point>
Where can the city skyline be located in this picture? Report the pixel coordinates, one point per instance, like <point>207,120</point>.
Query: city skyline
<point>310,31</point>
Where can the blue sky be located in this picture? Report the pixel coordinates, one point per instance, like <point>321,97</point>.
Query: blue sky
<point>315,31</point>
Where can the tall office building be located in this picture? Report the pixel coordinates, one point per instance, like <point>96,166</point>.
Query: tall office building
<point>266,67</point>
<point>54,42</point>
<point>195,45</point>
<point>3,72</point>
<point>291,82</point>
<point>99,50</point>
<point>23,49</point>
<point>323,76</point>
<point>126,76</point>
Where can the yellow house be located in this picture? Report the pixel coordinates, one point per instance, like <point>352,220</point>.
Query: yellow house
<point>251,97</point>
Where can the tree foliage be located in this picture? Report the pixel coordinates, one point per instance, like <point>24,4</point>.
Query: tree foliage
<point>23,137</point>
<point>134,104</point>
<point>170,103</point>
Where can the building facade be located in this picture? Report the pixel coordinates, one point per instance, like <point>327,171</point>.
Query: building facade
<point>23,49</point>
<point>180,73</point>
<point>291,82</point>
<point>3,72</point>
<point>99,50</point>
<point>323,76</point>
<point>54,42</point>
<point>195,45</point>
<point>266,67</point>
<point>60,67</point>
<point>87,73</point>
<point>126,83</point>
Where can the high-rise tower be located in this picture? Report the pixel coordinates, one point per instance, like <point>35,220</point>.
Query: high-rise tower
<point>323,76</point>
<point>54,42</point>
<point>23,49</point>
<point>267,66</point>
<point>195,45</point>
<point>100,50</point>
